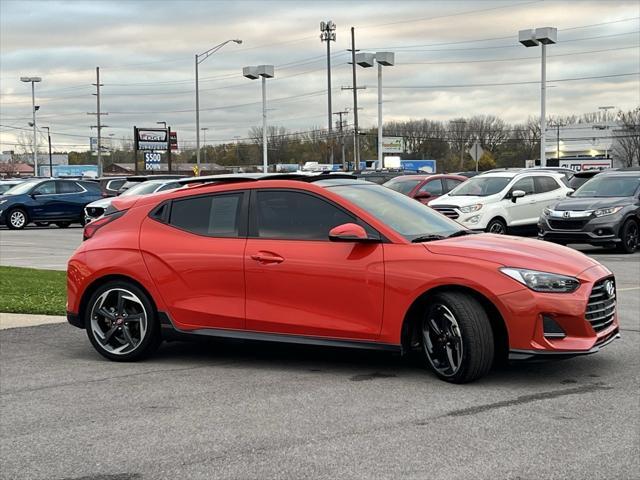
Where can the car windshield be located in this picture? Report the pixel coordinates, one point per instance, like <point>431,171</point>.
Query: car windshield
<point>402,186</point>
<point>609,186</point>
<point>409,218</point>
<point>143,188</point>
<point>21,188</point>
<point>480,186</point>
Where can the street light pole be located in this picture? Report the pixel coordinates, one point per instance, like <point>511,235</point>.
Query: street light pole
<point>263,72</point>
<point>33,81</point>
<point>532,38</point>
<point>199,58</point>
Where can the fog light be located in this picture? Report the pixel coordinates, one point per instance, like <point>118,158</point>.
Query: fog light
<point>475,219</point>
<point>551,328</point>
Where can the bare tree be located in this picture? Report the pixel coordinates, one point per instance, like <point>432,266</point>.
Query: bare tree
<point>626,138</point>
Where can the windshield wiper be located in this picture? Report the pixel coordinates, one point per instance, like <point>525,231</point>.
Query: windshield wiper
<point>460,233</point>
<point>427,238</point>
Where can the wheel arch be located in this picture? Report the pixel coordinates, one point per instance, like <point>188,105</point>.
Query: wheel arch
<point>98,282</point>
<point>498,217</point>
<point>408,336</point>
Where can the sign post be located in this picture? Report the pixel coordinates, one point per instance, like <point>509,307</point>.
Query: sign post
<point>476,152</point>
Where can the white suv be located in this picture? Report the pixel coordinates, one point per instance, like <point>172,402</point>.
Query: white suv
<point>496,201</point>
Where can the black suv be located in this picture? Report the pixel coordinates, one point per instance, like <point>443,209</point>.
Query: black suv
<point>604,211</point>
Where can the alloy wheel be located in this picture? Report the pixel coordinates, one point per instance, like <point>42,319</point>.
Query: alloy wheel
<point>119,321</point>
<point>442,340</point>
<point>631,239</point>
<point>18,219</point>
<point>497,228</point>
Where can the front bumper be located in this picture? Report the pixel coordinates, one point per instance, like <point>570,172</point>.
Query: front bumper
<point>527,314</point>
<point>593,230</point>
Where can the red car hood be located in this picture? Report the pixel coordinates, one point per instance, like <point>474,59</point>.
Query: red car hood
<point>515,252</point>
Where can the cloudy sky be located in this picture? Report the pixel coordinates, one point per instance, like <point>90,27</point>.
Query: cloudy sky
<point>453,58</point>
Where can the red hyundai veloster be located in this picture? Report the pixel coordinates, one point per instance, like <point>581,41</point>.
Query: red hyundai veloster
<point>328,260</point>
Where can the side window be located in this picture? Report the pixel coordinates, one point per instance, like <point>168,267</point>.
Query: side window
<point>434,187</point>
<point>46,188</point>
<point>115,184</point>
<point>296,216</point>
<point>168,186</point>
<point>451,184</point>
<point>525,184</point>
<point>212,215</point>
<point>546,184</point>
<point>67,186</point>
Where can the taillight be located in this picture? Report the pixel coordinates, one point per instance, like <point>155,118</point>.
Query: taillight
<point>92,227</point>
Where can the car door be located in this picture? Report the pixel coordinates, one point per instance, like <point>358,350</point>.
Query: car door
<point>432,188</point>
<point>298,282</point>
<point>549,191</point>
<point>522,210</point>
<point>44,198</point>
<point>193,248</point>
<point>70,199</point>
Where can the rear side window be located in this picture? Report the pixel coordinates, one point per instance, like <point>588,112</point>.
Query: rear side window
<point>67,186</point>
<point>115,184</point>
<point>211,215</point>
<point>546,184</point>
<point>296,216</point>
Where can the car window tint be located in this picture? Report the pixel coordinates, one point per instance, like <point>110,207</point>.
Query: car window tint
<point>546,184</point>
<point>434,187</point>
<point>213,215</point>
<point>296,216</point>
<point>524,184</point>
<point>402,186</point>
<point>45,188</point>
<point>115,184</point>
<point>67,186</point>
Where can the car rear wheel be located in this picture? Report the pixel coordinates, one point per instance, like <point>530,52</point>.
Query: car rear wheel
<point>629,237</point>
<point>42,224</point>
<point>457,339</point>
<point>497,226</point>
<point>63,224</point>
<point>121,322</point>
<point>17,219</point>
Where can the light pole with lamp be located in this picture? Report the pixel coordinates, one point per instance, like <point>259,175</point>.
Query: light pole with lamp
<point>33,81</point>
<point>532,38</point>
<point>253,73</point>
<point>366,60</point>
<point>199,59</point>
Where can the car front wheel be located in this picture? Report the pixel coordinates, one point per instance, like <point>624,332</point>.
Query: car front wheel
<point>63,224</point>
<point>629,237</point>
<point>121,322</point>
<point>497,226</point>
<point>457,339</point>
<point>17,219</point>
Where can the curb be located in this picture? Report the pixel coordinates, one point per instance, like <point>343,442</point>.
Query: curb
<point>20,320</point>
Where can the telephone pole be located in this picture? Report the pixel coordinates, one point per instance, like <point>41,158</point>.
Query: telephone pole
<point>356,133</point>
<point>340,127</point>
<point>98,114</point>
<point>558,125</point>
<point>328,34</point>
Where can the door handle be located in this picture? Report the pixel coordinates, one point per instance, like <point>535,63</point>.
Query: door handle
<point>267,258</point>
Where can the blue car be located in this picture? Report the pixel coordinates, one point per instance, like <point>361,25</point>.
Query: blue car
<point>45,201</point>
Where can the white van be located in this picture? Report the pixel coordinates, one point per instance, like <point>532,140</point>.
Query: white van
<point>496,201</point>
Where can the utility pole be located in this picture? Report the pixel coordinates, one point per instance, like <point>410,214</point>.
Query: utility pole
<point>98,115</point>
<point>328,34</point>
<point>204,142</point>
<point>340,126</point>
<point>356,137</point>
<point>558,125</point>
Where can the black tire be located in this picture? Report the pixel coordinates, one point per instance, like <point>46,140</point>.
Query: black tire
<point>629,236</point>
<point>17,219</point>
<point>147,343</point>
<point>63,224</point>
<point>474,334</point>
<point>497,226</point>
<point>42,224</point>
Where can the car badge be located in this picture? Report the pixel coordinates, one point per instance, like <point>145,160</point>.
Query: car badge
<point>566,214</point>
<point>610,288</point>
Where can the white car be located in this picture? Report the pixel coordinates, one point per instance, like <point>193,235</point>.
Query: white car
<point>496,201</point>
<point>96,209</point>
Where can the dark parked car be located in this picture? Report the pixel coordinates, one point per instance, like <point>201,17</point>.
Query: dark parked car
<point>110,185</point>
<point>425,188</point>
<point>7,184</point>
<point>604,211</point>
<point>136,179</point>
<point>47,201</point>
<point>381,176</point>
<point>580,178</point>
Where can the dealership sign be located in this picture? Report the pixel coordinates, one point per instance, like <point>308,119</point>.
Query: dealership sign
<point>150,138</point>
<point>392,144</point>
<point>152,160</point>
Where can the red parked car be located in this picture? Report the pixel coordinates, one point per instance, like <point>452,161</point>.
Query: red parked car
<point>425,188</point>
<point>328,260</point>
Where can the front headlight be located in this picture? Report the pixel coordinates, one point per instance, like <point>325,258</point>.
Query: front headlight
<point>601,212</point>
<point>471,208</point>
<point>3,201</point>
<point>546,212</point>
<point>543,281</point>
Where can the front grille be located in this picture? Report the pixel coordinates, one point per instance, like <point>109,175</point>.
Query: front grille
<point>448,211</point>
<point>567,224</point>
<point>602,306</point>
<point>94,212</point>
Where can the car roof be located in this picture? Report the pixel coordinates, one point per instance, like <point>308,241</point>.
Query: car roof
<point>522,173</point>
<point>620,173</point>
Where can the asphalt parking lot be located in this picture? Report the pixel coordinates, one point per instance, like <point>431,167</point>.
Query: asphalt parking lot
<point>246,410</point>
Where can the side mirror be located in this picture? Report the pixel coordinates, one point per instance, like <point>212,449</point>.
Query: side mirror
<point>422,195</point>
<point>517,194</point>
<point>348,232</point>
<point>570,192</point>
